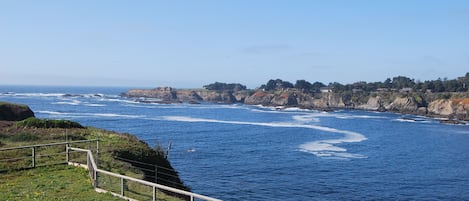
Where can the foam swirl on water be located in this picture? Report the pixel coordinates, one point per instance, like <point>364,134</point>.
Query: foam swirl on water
<point>320,148</point>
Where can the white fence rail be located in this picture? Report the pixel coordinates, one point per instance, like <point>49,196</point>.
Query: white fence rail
<point>23,155</point>
<point>94,171</point>
<point>29,158</point>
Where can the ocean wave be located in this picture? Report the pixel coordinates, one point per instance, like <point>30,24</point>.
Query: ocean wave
<point>315,114</point>
<point>306,118</point>
<point>112,115</point>
<point>115,115</point>
<point>320,148</point>
<point>33,94</point>
<point>414,120</point>
<point>52,112</point>
<point>94,105</point>
<point>72,102</point>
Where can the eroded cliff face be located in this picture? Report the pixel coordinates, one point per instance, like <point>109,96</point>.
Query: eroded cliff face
<point>374,103</point>
<point>217,96</point>
<point>171,95</point>
<point>259,98</point>
<point>394,102</point>
<point>403,105</point>
<point>294,98</point>
<point>451,108</point>
<point>166,94</point>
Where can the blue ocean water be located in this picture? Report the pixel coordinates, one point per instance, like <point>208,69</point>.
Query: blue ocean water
<point>239,152</point>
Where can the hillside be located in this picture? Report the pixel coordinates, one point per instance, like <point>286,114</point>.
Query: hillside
<point>120,153</point>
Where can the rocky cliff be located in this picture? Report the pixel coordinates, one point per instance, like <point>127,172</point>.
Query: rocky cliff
<point>171,95</point>
<point>14,112</point>
<point>409,103</point>
<point>374,103</point>
<point>451,108</point>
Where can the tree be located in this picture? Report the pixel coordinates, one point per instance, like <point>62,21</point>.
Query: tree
<point>338,87</point>
<point>303,85</point>
<point>400,82</point>
<point>218,86</point>
<point>316,86</point>
<point>276,84</point>
<point>388,83</point>
<point>438,86</point>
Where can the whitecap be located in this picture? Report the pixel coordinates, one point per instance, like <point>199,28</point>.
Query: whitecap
<point>52,112</point>
<point>114,115</point>
<point>94,105</point>
<point>73,102</point>
<point>306,118</point>
<point>37,94</point>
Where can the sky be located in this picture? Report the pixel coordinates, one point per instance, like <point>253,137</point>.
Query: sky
<point>188,44</point>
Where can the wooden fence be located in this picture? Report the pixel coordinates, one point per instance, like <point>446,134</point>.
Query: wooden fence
<point>29,159</point>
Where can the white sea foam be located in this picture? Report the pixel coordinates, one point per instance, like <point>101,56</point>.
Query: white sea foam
<point>320,148</point>
<point>306,118</point>
<point>296,109</point>
<point>35,94</point>
<point>349,116</point>
<point>52,112</point>
<point>72,102</point>
<point>112,115</point>
<point>416,120</point>
<point>94,105</point>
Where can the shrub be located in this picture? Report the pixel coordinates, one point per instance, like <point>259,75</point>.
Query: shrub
<point>46,123</point>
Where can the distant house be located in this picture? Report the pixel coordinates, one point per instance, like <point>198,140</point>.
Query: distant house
<point>406,90</point>
<point>326,89</point>
<point>357,90</point>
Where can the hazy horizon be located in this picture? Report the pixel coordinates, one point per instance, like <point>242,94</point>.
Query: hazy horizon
<point>188,44</point>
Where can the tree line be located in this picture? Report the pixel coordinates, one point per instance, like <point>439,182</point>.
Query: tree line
<point>460,84</point>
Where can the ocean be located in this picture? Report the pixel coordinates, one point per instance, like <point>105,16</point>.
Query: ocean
<point>242,152</point>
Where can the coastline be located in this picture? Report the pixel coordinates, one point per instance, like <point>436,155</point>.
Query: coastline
<point>452,110</point>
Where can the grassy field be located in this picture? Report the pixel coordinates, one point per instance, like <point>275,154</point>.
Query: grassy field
<point>62,182</point>
<point>58,182</point>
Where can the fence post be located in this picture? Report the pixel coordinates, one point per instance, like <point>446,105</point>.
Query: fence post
<point>97,152</point>
<point>95,178</point>
<point>154,193</point>
<point>34,157</point>
<point>156,174</point>
<point>122,186</point>
<point>67,151</point>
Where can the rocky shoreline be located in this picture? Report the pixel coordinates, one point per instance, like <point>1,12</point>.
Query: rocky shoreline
<point>452,109</point>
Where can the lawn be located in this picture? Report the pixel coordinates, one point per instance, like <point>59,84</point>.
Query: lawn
<point>58,182</point>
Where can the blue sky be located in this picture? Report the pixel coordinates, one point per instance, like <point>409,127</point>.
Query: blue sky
<point>188,44</point>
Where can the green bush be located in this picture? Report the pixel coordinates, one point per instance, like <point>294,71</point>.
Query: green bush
<point>46,123</point>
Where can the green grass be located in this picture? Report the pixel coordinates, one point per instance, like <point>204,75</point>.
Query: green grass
<point>58,182</point>
<point>54,182</point>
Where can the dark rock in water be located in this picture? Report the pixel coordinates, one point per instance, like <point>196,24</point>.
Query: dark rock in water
<point>14,112</point>
<point>71,95</point>
<point>193,102</point>
<point>452,121</point>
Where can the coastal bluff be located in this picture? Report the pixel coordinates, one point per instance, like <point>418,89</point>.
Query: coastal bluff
<point>14,112</point>
<point>193,96</point>
<point>454,106</point>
